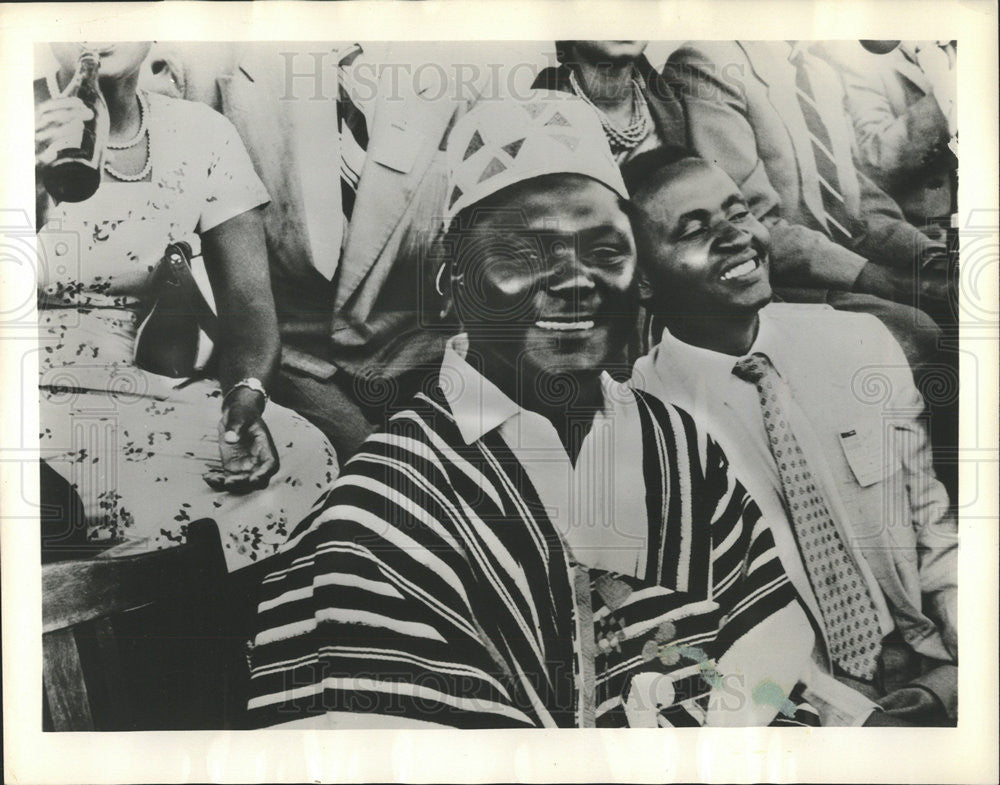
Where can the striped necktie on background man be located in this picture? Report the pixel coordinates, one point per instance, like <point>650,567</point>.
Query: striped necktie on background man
<point>838,221</point>
<point>353,135</point>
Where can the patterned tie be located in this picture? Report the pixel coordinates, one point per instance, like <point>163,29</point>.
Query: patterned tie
<point>848,611</point>
<point>353,135</point>
<point>838,220</point>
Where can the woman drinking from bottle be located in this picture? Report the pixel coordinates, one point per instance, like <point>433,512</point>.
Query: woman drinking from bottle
<point>149,452</point>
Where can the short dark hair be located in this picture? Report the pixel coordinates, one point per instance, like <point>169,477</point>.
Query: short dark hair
<point>640,171</point>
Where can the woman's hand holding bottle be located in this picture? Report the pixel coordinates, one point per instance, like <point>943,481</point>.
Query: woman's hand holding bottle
<point>59,124</point>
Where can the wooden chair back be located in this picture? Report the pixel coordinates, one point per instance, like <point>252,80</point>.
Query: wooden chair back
<point>80,597</point>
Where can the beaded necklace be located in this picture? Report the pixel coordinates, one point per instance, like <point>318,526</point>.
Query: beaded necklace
<point>143,132</point>
<point>638,128</point>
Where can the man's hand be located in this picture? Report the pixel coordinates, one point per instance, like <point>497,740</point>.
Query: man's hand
<point>880,719</point>
<point>249,458</point>
<point>928,289</point>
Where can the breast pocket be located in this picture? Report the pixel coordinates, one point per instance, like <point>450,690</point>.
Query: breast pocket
<point>871,451</point>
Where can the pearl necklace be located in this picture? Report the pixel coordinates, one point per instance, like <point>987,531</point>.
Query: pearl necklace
<point>143,111</point>
<point>142,132</point>
<point>630,136</point>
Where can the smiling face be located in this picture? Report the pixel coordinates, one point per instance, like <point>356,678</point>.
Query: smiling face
<point>545,280</point>
<point>118,59</point>
<point>702,250</point>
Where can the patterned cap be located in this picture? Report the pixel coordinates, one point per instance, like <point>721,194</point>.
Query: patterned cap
<point>499,143</point>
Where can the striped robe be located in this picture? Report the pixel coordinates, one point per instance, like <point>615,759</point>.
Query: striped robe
<point>430,584</point>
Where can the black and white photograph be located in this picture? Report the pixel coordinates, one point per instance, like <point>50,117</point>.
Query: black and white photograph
<point>400,384</point>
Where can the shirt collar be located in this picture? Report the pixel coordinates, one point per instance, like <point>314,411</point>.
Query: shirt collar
<point>797,50</point>
<point>909,50</point>
<point>769,340</point>
<point>479,406</point>
<point>348,52</point>
<point>717,364</point>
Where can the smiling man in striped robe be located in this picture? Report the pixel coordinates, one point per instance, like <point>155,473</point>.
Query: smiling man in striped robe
<point>533,544</point>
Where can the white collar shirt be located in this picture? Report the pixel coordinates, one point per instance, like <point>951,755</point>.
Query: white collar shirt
<point>597,504</point>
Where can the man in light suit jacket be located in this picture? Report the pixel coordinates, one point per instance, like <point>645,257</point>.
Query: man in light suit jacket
<point>904,122</point>
<point>745,115</point>
<point>853,410</point>
<point>352,295</point>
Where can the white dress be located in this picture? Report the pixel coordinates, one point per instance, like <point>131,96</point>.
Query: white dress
<point>134,444</point>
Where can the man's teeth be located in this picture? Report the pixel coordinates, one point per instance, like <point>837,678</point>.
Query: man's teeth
<point>741,269</point>
<point>564,326</point>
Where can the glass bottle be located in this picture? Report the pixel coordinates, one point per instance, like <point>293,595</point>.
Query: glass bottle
<point>75,174</point>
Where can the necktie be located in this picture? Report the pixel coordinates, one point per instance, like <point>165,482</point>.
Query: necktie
<point>353,136</point>
<point>838,220</point>
<point>845,603</point>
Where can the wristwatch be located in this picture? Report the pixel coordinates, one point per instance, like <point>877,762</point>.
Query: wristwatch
<point>251,383</point>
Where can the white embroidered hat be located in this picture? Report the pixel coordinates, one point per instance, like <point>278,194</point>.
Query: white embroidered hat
<point>500,143</point>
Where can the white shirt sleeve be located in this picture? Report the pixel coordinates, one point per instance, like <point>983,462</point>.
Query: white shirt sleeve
<point>838,705</point>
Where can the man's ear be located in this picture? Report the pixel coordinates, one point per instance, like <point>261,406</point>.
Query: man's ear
<point>446,285</point>
<point>645,287</point>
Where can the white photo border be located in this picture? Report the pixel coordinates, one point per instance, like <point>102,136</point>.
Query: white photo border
<point>964,754</point>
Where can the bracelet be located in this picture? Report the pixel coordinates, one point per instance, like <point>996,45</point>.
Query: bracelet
<point>251,383</point>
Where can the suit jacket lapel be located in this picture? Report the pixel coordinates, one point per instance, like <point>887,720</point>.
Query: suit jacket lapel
<point>779,78</point>
<point>403,134</point>
<point>666,109</point>
<point>781,526</point>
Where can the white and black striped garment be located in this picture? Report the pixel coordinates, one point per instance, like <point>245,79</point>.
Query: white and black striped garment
<point>430,585</point>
